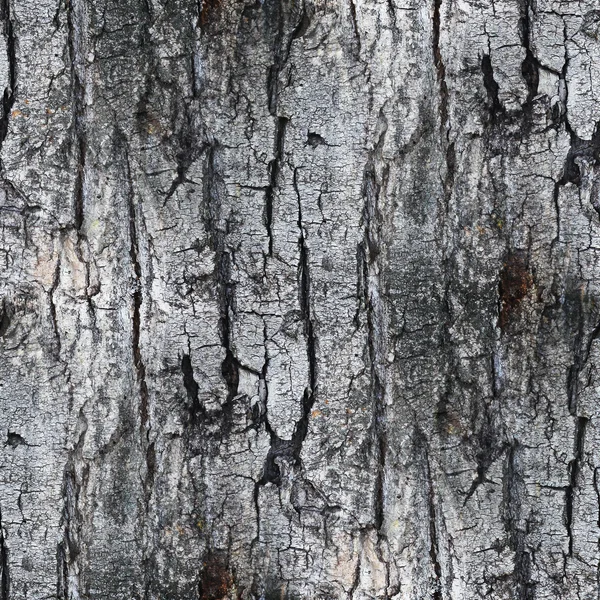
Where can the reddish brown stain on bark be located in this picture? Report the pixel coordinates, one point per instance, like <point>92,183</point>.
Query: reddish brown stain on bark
<point>216,580</point>
<point>515,283</point>
<point>208,10</point>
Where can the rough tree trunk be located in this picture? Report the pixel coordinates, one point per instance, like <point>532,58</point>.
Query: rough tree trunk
<point>299,299</point>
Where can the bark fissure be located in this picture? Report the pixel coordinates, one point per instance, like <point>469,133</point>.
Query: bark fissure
<point>216,227</point>
<point>355,30</point>
<point>439,64</point>
<point>434,551</point>
<point>196,409</point>
<point>308,401</point>
<point>138,361</point>
<point>52,305</point>
<point>75,28</point>
<point>190,149</point>
<point>513,493</point>
<point>291,450</point>
<point>274,170</point>
<point>579,358</point>
<point>581,150</point>
<point>530,66</point>
<point>574,470</point>
<point>356,580</point>
<point>69,548</point>
<point>369,252</point>
<point>491,87</point>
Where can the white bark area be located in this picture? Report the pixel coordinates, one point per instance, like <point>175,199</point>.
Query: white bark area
<point>299,299</point>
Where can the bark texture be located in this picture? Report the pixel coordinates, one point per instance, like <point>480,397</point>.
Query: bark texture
<point>299,299</point>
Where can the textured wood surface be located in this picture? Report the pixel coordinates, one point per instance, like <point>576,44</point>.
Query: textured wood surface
<point>299,299</point>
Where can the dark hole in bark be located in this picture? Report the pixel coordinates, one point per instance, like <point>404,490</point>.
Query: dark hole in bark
<point>14,440</point>
<point>314,140</point>
<point>5,317</point>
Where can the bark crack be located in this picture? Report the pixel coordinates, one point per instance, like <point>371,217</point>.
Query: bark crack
<point>491,87</point>
<point>274,170</point>
<point>439,64</point>
<point>69,549</point>
<point>225,287</point>
<point>75,29</point>
<point>513,491</point>
<point>355,27</point>
<point>196,409</point>
<point>369,251</point>
<point>574,470</point>
<point>301,429</point>
<point>530,67</point>
<point>138,361</point>
<point>434,550</point>
<point>53,315</point>
<point>291,450</point>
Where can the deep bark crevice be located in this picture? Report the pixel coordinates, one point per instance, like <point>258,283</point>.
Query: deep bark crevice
<point>52,305</point>
<point>216,227</point>
<point>274,170</point>
<point>355,29</point>
<point>574,470</point>
<point>290,450</point>
<point>196,409</point>
<point>439,64</point>
<point>513,493</point>
<point>75,29</point>
<point>69,548</point>
<point>530,67</point>
<point>369,285</point>
<point>492,88</point>
<point>134,252</point>
<point>434,550</point>
<point>308,401</point>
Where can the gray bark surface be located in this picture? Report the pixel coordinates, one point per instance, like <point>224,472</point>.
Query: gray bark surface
<point>299,299</point>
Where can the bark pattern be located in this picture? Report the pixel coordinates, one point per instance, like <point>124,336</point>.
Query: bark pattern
<point>299,299</point>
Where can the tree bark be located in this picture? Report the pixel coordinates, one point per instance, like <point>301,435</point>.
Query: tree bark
<point>299,299</point>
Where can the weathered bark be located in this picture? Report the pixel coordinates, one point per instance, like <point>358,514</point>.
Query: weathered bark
<point>299,299</point>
